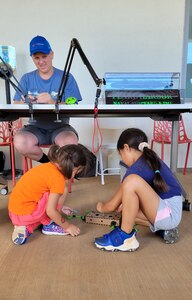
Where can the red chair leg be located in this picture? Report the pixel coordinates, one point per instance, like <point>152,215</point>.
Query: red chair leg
<point>30,163</point>
<point>25,164</point>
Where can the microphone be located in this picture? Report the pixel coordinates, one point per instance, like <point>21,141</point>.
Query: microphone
<point>4,71</point>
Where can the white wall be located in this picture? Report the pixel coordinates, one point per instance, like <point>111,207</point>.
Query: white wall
<point>124,36</point>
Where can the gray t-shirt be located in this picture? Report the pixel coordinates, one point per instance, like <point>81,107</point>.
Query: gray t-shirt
<point>32,84</point>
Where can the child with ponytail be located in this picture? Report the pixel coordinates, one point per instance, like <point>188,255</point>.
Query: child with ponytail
<point>149,191</point>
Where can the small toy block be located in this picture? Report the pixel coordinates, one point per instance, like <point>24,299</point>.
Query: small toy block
<point>108,219</point>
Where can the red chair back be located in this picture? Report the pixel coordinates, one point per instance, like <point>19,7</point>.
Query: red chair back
<point>163,132</point>
<point>8,130</point>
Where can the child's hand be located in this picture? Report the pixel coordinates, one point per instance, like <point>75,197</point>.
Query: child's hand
<point>73,230</point>
<point>68,211</point>
<point>100,207</point>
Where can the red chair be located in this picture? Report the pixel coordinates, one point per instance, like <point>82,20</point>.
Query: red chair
<point>28,164</point>
<point>7,132</point>
<point>162,134</point>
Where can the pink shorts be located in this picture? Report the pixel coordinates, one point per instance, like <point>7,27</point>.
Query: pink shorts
<point>37,218</point>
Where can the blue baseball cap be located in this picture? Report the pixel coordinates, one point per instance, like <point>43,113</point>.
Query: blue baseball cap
<point>39,44</point>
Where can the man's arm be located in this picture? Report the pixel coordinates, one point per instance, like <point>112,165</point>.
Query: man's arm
<point>19,97</point>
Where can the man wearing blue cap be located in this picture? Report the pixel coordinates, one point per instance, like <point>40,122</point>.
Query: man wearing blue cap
<point>41,86</point>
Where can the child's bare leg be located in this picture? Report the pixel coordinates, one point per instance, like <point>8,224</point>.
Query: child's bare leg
<point>137,195</point>
<point>141,219</point>
<point>112,204</point>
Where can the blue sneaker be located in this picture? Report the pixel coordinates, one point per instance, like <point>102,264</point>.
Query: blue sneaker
<point>118,240</point>
<point>53,229</point>
<point>20,235</point>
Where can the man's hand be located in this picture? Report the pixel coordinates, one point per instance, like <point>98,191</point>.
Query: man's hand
<point>44,98</point>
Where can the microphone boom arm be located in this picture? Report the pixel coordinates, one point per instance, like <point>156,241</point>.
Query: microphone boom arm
<point>73,46</point>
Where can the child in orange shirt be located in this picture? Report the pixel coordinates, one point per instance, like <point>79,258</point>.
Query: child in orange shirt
<point>38,195</point>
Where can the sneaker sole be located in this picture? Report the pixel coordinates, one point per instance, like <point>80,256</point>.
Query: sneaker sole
<point>19,235</point>
<point>121,248</point>
<point>54,233</point>
<point>171,236</point>
<point>20,240</point>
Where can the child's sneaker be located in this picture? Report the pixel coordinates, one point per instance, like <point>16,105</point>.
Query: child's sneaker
<point>170,236</point>
<point>53,229</point>
<point>117,240</point>
<point>20,235</point>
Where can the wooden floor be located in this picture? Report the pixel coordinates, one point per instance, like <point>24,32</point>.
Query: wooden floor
<point>50,267</point>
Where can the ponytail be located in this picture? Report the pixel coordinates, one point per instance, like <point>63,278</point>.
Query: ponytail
<point>154,163</point>
<point>137,139</point>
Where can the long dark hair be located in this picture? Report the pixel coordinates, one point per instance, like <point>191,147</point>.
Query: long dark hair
<point>133,137</point>
<point>67,157</point>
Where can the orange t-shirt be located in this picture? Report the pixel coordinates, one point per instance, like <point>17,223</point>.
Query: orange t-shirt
<point>32,185</point>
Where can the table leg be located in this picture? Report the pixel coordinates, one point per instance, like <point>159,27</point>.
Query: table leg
<point>173,163</point>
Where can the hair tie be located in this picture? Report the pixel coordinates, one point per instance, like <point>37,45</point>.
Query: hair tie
<point>157,171</point>
<point>143,145</point>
